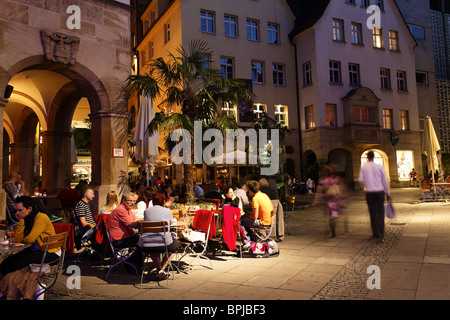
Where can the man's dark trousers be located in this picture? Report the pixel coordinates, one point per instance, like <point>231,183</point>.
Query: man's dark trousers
<point>375,202</point>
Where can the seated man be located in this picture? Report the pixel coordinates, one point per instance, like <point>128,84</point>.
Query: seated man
<point>262,211</point>
<point>83,213</point>
<point>413,178</point>
<point>121,225</point>
<point>198,191</point>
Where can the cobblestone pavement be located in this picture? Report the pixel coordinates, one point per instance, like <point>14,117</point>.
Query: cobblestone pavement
<point>312,265</point>
<point>351,282</point>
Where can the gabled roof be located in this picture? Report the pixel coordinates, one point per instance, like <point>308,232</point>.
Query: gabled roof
<point>307,13</point>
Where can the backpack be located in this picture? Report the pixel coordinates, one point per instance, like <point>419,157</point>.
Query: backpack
<point>260,249</point>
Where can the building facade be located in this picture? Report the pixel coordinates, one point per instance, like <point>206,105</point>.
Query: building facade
<point>249,41</point>
<point>59,60</point>
<point>359,88</point>
<point>440,23</point>
<point>418,16</point>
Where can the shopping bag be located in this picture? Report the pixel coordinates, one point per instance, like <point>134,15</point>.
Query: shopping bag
<point>390,213</point>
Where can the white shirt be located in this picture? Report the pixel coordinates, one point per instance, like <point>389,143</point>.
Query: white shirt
<point>373,177</point>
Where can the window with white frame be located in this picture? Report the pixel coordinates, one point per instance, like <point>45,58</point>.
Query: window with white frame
<point>258,110</point>
<point>166,33</point>
<point>252,30</point>
<point>273,33</point>
<point>365,3</point>
<point>307,74</point>
<point>231,26</point>
<point>387,119</point>
<point>207,21</point>
<point>361,115</point>
<point>281,114</point>
<point>385,78</point>
<point>335,71</point>
<point>309,117</point>
<point>393,40</point>
<point>356,33</point>
<point>229,110</point>
<point>278,74</point>
<point>151,50</point>
<point>330,115</point>
<point>257,72</point>
<point>401,81</point>
<point>206,61</point>
<point>404,120</point>
<point>353,72</point>
<point>377,38</point>
<point>227,67</point>
<point>338,30</point>
<point>422,78</point>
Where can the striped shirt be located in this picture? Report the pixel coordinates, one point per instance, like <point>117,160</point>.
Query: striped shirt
<point>83,210</point>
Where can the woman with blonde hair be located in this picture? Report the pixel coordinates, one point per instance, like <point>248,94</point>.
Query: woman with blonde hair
<point>112,200</point>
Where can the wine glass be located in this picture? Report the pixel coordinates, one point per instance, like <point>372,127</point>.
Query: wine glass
<point>10,233</point>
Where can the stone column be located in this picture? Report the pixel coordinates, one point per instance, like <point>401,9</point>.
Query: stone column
<point>22,160</point>
<point>57,169</point>
<point>3,103</point>
<point>109,131</point>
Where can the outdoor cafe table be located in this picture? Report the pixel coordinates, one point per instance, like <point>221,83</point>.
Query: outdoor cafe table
<point>8,250</point>
<point>440,188</point>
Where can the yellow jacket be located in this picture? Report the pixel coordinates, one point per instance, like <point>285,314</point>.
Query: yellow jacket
<point>42,228</point>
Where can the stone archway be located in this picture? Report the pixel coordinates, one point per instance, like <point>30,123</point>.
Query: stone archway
<point>381,158</point>
<point>106,170</point>
<point>342,161</point>
<point>23,148</point>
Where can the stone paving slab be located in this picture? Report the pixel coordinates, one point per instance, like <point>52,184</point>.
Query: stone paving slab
<point>414,262</point>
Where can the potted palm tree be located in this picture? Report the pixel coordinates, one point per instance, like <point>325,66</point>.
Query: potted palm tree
<point>189,90</point>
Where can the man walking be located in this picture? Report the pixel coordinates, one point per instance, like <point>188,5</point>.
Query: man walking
<point>373,177</point>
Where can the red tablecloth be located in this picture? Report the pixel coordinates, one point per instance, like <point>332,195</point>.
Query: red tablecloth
<point>63,227</point>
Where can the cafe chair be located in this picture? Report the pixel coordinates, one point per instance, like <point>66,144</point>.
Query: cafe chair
<point>88,246</point>
<point>261,236</point>
<point>154,228</point>
<point>426,190</point>
<point>203,221</point>
<point>119,256</point>
<point>48,272</point>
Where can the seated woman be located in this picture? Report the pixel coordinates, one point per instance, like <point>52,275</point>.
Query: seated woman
<point>154,243</point>
<point>112,201</point>
<point>230,199</point>
<point>144,202</point>
<point>33,228</point>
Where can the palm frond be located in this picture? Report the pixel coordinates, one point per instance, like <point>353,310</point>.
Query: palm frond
<point>144,85</point>
<point>177,121</point>
<point>224,122</point>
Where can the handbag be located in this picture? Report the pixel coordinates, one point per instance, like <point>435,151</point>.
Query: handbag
<point>390,213</point>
